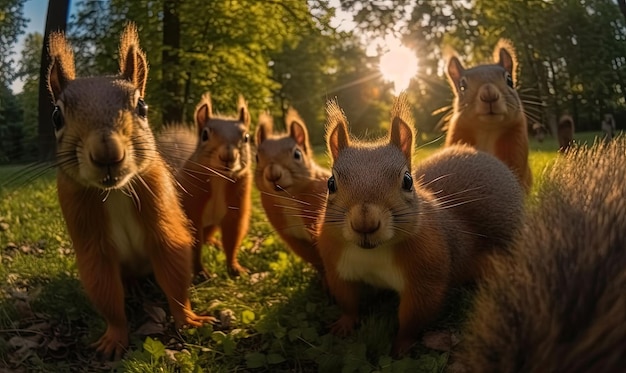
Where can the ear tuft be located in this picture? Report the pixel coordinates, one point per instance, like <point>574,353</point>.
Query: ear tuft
<point>203,111</point>
<point>401,132</point>
<point>61,70</point>
<point>337,137</point>
<point>454,71</point>
<point>242,108</point>
<point>297,129</point>
<point>265,128</point>
<point>504,54</point>
<point>133,62</point>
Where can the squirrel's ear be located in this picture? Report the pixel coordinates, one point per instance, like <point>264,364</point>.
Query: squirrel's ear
<point>264,128</point>
<point>61,69</point>
<point>455,71</point>
<point>203,111</point>
<point>297,129</point>
<point>401,135</point>
<point>133,63</point>
<point>244,114</point>
<point>401,132</point>
<point>337,136</point>
<point>504,53</point>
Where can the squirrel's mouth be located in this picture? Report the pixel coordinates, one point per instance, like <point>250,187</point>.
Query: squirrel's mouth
<point>366,243</point>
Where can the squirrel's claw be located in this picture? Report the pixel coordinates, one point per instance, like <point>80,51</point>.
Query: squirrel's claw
<point>113,343</point>
<point>344,326</point>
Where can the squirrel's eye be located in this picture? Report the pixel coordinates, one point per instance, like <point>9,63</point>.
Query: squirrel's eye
<point>407,182</point>
<point>297,155</point>
<point>205,134</point>
<point>246,138</point>
<point>463,84</point>
<point>509,79</point>
<point>332,185</point>
<point>142,108</point>
<point>57,119</point>
<point>256,157</point>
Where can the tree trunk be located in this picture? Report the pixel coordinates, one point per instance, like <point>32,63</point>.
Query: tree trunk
<point>172,110</point>
<point>56,20</point>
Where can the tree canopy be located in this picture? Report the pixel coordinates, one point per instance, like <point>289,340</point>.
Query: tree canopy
<point>288,53</point>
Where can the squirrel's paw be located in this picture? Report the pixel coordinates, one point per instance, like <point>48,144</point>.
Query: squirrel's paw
<point>191,319</point>
<point>236,270</point>
<point>113,343</point>
<point>343,326</point>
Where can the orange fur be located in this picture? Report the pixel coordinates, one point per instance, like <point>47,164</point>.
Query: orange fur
<point>488,113</point>
<point>565,133</point>
<point>216,183</point>
<point>292,185</point>
<point>116,194</point>
<point>381,228</point>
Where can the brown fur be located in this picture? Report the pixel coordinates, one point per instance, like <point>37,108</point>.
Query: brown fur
<point>177,143</point>
<point>488,113</point>
<point>216,182</point>
<point>464,205</point>
<point>293,187</point>
<point>565,132</point>
<point>116,195</point>
<point>558,303</point>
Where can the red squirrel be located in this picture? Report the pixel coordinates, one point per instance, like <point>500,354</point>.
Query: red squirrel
<point>292,185</point>
<point>488,113</point>
<point>565,132</point>
<point>557,302</point>
<point>116,194</point>
<point>216,182</point>
<point>417,232</point>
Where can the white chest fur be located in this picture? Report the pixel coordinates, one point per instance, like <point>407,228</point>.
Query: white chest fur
<point>126,231</point>
<point>372,266</point>
<point>216,207</point>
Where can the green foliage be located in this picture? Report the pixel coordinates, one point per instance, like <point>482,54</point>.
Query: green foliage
<point>12,23</point>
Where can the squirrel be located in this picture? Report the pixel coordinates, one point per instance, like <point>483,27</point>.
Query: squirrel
<point>216,182</point>
<point>556,303</point>
<point>418,238</point>
<point>293,187</point>
<point>488,113</point>
<point>117,197</point>
<point>565,132</point>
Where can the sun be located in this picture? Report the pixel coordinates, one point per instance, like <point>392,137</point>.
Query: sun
<point>398,65</point>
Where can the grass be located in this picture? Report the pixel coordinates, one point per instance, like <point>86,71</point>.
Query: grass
<point>272,320</point>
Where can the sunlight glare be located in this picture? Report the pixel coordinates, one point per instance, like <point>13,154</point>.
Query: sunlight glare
<point>398,65</point>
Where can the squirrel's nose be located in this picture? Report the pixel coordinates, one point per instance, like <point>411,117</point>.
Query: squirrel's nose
<point>489,93</point>
<point>273,173</point>
<point>107,153</point>
<point>365,219</point>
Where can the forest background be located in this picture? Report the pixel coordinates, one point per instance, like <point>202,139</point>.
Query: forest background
<point>281,53</point>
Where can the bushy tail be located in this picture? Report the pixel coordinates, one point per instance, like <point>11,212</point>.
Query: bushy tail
<point>176,143</point>
<point>558,304</point>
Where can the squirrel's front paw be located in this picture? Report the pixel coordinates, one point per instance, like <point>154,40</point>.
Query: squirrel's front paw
<point>191,319</point>
<point>113,343</point>
<point>344,325</point>
<point>237,270</point>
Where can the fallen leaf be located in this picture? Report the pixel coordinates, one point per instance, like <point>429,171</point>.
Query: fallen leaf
<point>157,314</point>
<point>226,318</point>
<point>151,328</point>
